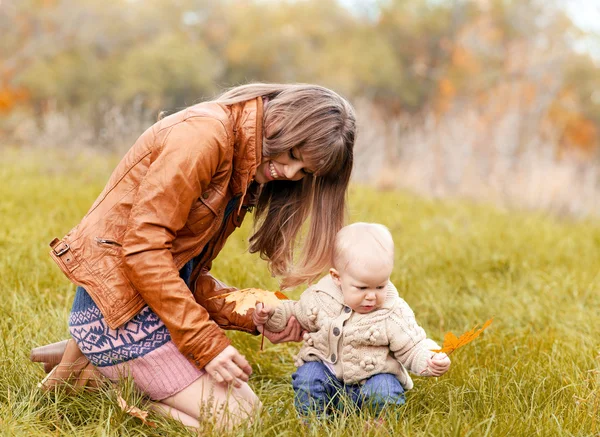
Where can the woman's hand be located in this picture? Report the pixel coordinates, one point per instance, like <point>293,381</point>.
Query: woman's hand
<point>292,332</point>
<point>229,367</point>
<point>261,314</point>
<point>438,364</point>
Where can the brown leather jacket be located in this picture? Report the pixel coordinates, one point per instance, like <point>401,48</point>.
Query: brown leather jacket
<point>163,205</point>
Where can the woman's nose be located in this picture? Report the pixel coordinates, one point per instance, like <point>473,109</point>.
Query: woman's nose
<point>293,170</point>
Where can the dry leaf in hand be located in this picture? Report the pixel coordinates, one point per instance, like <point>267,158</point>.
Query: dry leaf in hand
<point>451,342</point>
<point>134,411</point>
<point>247,299</point>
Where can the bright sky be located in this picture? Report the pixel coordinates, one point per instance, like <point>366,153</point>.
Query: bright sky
<point>585,13</point>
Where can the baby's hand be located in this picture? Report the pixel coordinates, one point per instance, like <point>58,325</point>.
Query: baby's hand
<point>261,314</point>
<point>438,364</point>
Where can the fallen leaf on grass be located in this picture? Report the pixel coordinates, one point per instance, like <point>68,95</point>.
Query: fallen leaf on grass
<point>134,411</point>
<point>451,342</point>
<point>247,298</point>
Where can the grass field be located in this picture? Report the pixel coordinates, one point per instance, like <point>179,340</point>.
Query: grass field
<point>535,371</point>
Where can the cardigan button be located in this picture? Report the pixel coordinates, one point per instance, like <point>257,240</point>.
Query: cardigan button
<point>205,195</point>
<point>333,358</point>
<point>347,309</point>
<point>336,331</point>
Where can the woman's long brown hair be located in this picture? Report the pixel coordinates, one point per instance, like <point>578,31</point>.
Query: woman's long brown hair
<point>322,126</point>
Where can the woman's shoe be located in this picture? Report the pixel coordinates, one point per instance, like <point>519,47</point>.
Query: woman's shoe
<point>50,354</point>
<point>73,368</point>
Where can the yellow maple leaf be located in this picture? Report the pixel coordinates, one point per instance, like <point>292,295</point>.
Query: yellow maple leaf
<point>247,298</point>
<point>451,342</point>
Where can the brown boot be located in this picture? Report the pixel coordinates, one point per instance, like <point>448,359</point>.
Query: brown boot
<point>49,355</point>
<point>71,368</point>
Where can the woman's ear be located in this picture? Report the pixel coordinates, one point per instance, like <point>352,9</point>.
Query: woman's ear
<point>335,275</point>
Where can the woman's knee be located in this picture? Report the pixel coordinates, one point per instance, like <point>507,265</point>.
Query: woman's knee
<point>244,400</point>
<point>205,399</point>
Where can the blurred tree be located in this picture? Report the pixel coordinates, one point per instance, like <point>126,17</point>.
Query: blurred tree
<point>405,56</point>
<point>421,33</point>
<point>170,70</point>
<point>583,78</point>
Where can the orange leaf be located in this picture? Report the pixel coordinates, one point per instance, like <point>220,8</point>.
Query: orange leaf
<point>451,342</point>
<point>247,298</point>
<point>280,295</point>
<point>134,411</point>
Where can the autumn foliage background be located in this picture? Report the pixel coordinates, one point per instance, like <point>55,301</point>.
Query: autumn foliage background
<point>489,99</point>
<point>496,101</point>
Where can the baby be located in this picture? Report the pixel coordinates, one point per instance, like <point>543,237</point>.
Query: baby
<point>362,337</point>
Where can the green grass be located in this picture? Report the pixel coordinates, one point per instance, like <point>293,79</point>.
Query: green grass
<point>535,371</point>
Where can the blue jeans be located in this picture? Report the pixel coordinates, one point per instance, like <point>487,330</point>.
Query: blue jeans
<point>318,391</point>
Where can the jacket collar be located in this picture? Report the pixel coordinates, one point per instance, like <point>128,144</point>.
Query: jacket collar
<point>247,120</point>
<point>327,286</point>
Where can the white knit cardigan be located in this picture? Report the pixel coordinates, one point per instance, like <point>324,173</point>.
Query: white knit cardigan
<point>357,346</point>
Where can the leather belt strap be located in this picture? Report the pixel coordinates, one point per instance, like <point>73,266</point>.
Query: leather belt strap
<point>59,247</point>
<point>62,252</point>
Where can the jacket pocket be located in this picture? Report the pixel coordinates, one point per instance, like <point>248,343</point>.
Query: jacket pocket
<point>200,218</point>
<point>104,260</point>
<point>112,272</point>
<point>109,245</point>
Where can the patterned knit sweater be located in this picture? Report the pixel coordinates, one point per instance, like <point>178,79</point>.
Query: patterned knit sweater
<point>357,346</point>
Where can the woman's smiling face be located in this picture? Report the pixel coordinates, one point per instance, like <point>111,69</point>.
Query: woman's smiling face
<point>289,166</point>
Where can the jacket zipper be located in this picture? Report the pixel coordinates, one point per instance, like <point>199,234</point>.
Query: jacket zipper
<point>106,241</point>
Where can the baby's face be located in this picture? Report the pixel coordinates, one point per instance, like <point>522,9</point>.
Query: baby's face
<point>364,289</point>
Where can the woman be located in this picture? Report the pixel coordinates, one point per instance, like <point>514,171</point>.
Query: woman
<point>142,254</point>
